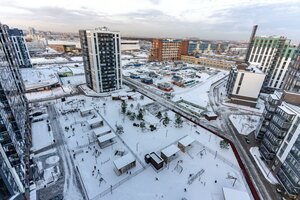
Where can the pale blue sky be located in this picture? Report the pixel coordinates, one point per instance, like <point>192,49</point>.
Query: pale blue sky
<point>206,19</point>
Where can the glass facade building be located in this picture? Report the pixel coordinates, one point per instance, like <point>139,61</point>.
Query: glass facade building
<point>14,126</point>
<point>20,47</point>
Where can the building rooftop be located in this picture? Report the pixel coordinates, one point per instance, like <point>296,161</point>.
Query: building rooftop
<point>124,161</point>
<point>170,150</point>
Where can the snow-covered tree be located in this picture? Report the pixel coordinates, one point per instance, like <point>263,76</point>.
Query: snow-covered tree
<point>166,120</point>
<point>123,107</point>
<point>128,113</point>
<point>140,115</point>
<point>142,125</point>
<point>224,144</point>
<point>159,115</point>
<point>178,121</point>
<point>132,116</point>
<point>119,129</point>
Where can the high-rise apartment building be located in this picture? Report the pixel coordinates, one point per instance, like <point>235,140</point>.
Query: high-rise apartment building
<point>168,49</point>
<point>14,127</point>
<point>280,147</point>
<point>20,46</point>
<point>273,55</point>
<point>101,51</point>
<point>292,80</point>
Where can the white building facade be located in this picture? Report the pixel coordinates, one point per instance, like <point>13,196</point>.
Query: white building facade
<point>244,84</point>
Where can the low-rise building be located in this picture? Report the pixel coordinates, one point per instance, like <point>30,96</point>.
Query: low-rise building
<point>130,45</point>
<point>208,62</point>
<point>244,84</point>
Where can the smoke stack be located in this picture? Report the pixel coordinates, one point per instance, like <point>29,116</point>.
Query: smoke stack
<point>251,41</point>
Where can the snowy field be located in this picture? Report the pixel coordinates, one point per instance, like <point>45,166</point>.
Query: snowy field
<point>73,80</point>
<point>50,94</point>
<point>142,181</point>
<point>41,136</point>
<point>245,124</point>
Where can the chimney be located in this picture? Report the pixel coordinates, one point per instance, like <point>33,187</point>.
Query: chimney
<point>251,41</point>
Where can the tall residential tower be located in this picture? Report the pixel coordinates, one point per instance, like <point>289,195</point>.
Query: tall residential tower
<point>14,127</point>
<point>273,55</point>
<point>20,46</point>
<point>101,56</point>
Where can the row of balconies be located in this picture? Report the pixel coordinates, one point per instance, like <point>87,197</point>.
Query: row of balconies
<point>274,141</point>
<point>269,146</point>
<point>265,153</point>
<point>294,164</point>
<point>284,179</point>
<point>276,131</point>
<point>281,122</point>
<point>292,176</point>
<point>284,115</point>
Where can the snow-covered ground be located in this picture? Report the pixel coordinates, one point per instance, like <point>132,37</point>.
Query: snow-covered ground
<point>50,94</point>
<point>48,60</point>
<point>245,124</point>
<point>41,137</point>
<point>262,166</point>
<point>76,58</point>
<point>143,182</point>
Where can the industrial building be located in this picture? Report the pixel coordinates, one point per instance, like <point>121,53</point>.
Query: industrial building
<point>101,56</point>
<point>15,138</point>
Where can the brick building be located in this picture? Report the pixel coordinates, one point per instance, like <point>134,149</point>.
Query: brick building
<point>168,49</point>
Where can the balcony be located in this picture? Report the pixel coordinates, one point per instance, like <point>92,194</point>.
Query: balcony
<point>281,123</point>
<point>270,108</point>
<point>272,139</point>
<point>285,182</point>
<point>291,175</point>
<point>267,156</point>
<point>269,146</point>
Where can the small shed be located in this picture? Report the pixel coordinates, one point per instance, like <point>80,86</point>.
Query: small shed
<point>86,111</point>
<point>102,131</point>
<point>106,140</point>
<point>124,163</point>
<point>210,115</point>
<point>95,122</point>
<point>169,153</point>
<point>115,96</point>
<point>232,194</point>
<point>185,143</point>
<point>156,161</point>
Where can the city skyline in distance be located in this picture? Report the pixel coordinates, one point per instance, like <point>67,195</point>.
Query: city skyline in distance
<point>213,20</point>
